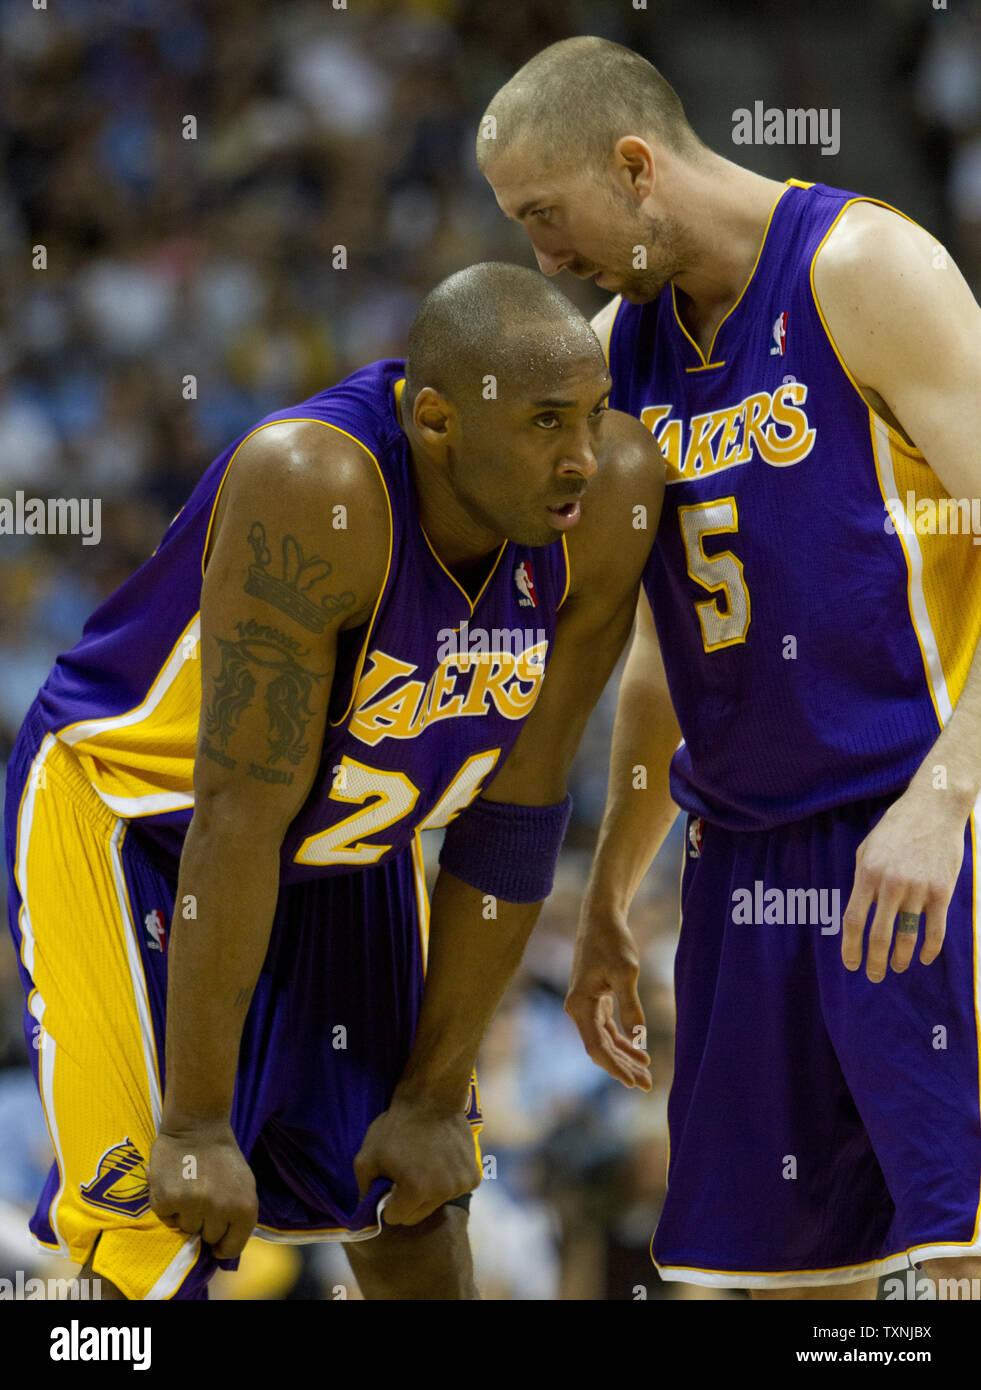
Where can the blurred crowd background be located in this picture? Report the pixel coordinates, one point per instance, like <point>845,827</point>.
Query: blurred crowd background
<point>214,257</point>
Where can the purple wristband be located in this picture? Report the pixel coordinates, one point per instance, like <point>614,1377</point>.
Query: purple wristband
<point>505,850</point>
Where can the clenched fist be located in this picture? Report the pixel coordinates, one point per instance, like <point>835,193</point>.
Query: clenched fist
<point>200,1183</point>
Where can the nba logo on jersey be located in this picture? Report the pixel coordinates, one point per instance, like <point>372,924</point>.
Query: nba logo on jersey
<point>779,336</point>
<point>524,579</point>
<point>695,827</point>
<point>156,930</point>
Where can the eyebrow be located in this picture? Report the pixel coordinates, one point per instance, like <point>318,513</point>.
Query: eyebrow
<point>555,403</point>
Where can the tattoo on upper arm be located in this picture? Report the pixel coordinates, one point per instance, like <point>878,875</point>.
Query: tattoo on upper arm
<point>262,653</point>
<point>269,658</point>
<point>290,591</point>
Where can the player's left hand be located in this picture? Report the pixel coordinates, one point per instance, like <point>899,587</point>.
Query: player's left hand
<point>908,865</point>
<point>428,1152</point>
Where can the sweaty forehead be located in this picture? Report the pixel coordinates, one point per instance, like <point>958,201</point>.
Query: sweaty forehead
<point>562,368</point>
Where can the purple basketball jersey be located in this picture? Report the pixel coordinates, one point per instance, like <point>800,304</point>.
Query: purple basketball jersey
<point>815,633</point>
<point>427,699</point>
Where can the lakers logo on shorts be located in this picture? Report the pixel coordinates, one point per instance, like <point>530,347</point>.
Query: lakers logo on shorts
<point>120,1183</point>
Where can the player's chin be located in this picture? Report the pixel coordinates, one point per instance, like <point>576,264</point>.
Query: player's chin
<point>638,294</point>
<point>534,533</point>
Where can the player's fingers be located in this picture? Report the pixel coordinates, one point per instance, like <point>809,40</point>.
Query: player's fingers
<point>935,931</point>
<point>904,944</point>
<point>628,1057</point>
<point>169,1218</point>
<point>236,1236</point>
<point>628,1051</point>
<point>854,919</point>
<point>880,933</point>
<point>365,1170</point>
<point>213,1229</point>
<point>618,1059</point>
<point>406,1206</point>
<point>598,1043</point>
<point>190,1222</point>
<point>632,1018</point>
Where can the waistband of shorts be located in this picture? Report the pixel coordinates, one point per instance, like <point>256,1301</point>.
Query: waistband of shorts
<point>865,808</point>
<point>62,767</point>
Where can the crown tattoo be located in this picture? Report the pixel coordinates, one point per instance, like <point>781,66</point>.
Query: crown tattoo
<point>290,591</point>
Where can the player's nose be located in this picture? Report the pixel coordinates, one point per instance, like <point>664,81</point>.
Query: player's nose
<point>580,460</point>
<point>550,263</point>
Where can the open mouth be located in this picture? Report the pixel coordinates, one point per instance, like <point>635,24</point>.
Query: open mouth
<point>565,515</point>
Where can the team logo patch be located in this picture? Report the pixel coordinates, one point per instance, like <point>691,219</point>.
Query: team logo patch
<point>156,930</point>
<point>120,1183</point>
<point>779,336</point>
<point>695,828</point>
<point>525,581</point>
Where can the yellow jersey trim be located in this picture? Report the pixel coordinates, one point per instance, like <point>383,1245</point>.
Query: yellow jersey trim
<point>293,420</point>
<point>471,604</point>
<point>113,721</point>
<point>568,573</point>
<point>875,420</point>
<point>707,360</point>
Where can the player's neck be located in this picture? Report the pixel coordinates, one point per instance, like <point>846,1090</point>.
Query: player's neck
<point>726,211</point>
<point>461,543</point>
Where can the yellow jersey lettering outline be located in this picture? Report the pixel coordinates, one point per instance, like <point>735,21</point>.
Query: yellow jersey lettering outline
<point>721,439</point>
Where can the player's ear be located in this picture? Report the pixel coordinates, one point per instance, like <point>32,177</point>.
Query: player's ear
<point>433,416</point>
<point>634,165</point>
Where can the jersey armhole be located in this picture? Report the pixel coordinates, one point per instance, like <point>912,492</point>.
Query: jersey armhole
<point>894,435</point>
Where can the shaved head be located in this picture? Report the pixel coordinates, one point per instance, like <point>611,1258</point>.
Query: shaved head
<point>576,99</point>
<point>495,320</point>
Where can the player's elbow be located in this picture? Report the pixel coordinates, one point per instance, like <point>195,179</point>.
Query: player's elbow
<point>224,815</point>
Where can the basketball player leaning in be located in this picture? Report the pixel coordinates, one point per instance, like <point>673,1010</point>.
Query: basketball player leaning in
<point>246,743</point>
<point>805,357</point>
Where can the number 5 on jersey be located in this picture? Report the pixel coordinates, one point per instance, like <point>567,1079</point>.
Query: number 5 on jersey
<point>720,574</point>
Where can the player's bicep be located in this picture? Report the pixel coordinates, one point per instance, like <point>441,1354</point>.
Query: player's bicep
<point>265,684</point>
<point>277,588</point>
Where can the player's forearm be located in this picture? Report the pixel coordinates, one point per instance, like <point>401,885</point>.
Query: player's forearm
<point>472,958</point>
<point>226,899</point>
<point>639,809</point>
<point>951,770</point>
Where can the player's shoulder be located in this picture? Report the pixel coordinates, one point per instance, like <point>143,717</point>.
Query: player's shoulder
<point>872,245</point>
<point>602,323</point>
<point>889,293</point>
<point>311,490</point>
<point>306,468</point>
<point>627,452</point>
<point>622,506</point>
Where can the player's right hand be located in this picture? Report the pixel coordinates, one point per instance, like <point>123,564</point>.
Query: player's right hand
<point>605,971</point>
<point>201,1184</point>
